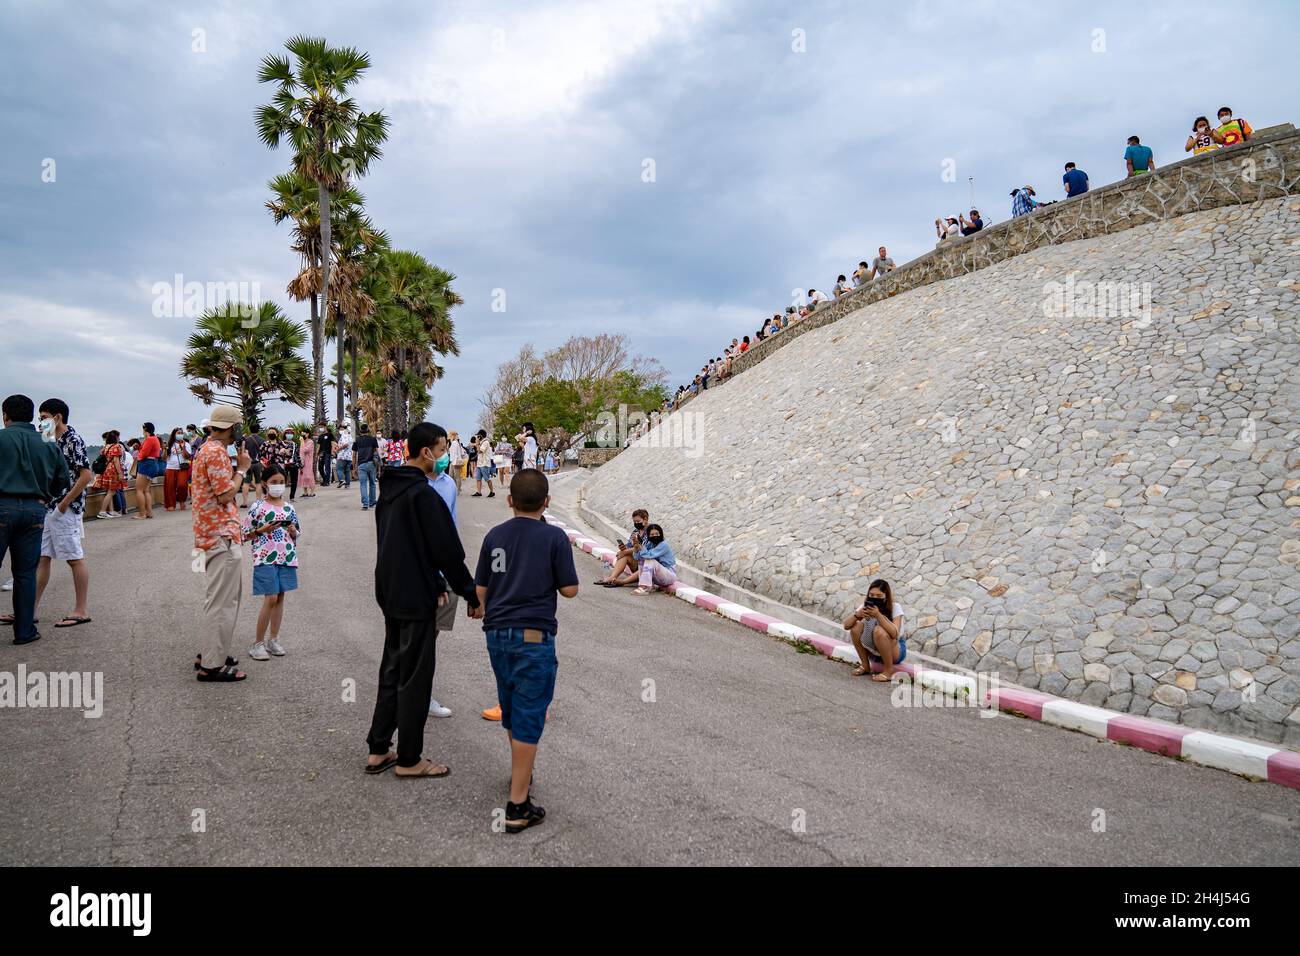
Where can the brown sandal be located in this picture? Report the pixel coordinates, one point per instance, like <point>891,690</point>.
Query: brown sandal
<point>428,771</point>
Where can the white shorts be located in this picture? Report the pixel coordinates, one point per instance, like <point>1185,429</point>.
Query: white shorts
<point>530,462</point>
<point>61,537</point>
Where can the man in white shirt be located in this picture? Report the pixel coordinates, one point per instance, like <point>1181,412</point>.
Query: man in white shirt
<point>484,471</point>
<point>458,458</point>
<point>816,298</point>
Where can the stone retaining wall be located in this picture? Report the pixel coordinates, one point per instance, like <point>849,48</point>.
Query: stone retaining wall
<point>595,457</point>
<point>1103,505</point>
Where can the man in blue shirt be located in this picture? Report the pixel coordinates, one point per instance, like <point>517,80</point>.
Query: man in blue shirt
<point>1138,158</point>
<point>522,563</point>
<point>1076,181</point>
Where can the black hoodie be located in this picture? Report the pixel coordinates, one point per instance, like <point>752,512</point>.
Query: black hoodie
<point>417,548</point>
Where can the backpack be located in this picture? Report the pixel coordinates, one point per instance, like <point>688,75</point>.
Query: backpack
<point>100,464</point>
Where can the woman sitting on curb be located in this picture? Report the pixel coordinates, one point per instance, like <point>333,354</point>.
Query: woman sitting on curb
<point>656,561</point>
<point>877,638</point>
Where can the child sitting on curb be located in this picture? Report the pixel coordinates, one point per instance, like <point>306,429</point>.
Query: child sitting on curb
<point>877,632</point>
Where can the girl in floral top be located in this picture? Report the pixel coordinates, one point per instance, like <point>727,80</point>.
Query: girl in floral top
<point>271,526</point>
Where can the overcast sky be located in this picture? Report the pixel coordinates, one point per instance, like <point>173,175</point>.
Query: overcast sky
<point>520,132</point>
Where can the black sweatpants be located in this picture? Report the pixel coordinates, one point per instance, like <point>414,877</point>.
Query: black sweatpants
<point>292,475</point>
<point>405,684</point>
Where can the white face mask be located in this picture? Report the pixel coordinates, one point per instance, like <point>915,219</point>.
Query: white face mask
<point>46,428</point>
<point>275,491</point>
<point>1224,119</point>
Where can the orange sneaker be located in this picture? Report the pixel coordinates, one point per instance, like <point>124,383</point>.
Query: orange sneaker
<point>492,713</point>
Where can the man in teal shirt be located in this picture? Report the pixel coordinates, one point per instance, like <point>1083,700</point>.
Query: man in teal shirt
<point>32,472</point>
<point>1138,158</point>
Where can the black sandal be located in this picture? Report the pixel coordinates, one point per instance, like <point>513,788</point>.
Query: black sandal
<point>221,675</point>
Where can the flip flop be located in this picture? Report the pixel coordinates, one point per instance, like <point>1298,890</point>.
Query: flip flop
<point>382,766</point>
<point>75,621</point>
<point>425,772</point>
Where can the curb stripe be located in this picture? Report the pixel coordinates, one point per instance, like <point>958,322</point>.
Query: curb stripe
<point>1150,735</point>
<point>1244,757</point>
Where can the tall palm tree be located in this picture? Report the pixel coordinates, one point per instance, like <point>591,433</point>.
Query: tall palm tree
<point>245,363</point>
<point>295,197</point>
<point>332,139</point>
<point>357,242</point>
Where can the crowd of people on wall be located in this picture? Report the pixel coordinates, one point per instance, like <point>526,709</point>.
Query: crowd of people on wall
<point>1138,159</point>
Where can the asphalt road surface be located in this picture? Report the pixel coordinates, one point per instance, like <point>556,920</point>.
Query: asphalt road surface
<point>741,750</point>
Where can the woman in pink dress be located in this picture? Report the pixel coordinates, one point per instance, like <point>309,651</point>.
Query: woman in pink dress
<point>307,452</point>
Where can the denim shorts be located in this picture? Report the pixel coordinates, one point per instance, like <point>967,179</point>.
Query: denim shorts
<point>525,673</point>
<point>902,652</point>
<point>274,579</point>
<point>482,473</point>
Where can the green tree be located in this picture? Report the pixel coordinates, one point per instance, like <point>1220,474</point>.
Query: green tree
<point>548,404</point>
<point>332,140</point>
<point>246,355</point>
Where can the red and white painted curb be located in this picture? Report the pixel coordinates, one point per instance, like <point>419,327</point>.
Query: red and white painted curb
<point>1245,757</point>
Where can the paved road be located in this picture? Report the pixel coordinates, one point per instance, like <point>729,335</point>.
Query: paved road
<point>745,737</point>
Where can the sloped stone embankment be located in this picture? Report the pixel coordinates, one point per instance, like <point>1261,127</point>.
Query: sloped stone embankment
<point>1077,466</point>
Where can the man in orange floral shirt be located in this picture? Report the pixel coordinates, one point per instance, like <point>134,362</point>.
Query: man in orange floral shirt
<point>217,541</point>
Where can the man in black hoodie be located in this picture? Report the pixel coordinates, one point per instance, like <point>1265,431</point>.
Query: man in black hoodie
<point>418,555</point>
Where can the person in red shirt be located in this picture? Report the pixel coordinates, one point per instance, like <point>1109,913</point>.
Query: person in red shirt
<point>149,465</point>
<point>217,538</point>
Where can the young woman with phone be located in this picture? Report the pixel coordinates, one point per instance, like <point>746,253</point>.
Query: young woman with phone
<point>878,632</point>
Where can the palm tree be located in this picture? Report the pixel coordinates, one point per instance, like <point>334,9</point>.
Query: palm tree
<point>246,362</point>
<point>332,139</point>
<point>356,248</point>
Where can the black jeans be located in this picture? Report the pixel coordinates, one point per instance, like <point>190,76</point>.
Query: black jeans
<point>405,684</point>
<point>292,475</point>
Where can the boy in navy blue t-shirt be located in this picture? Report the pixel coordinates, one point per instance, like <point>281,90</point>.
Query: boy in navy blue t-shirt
<point>522,564</point>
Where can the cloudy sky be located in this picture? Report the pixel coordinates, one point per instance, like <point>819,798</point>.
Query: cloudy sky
<point>788,141</point>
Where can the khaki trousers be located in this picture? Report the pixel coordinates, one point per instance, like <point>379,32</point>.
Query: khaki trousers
<point>224,577</point>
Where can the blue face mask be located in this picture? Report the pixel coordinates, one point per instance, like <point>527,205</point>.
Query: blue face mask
<point>442,463</point>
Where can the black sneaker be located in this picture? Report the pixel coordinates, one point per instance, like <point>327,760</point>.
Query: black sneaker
<point>477,494</point>
<point>492,494</point>
<point>521,816</point>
